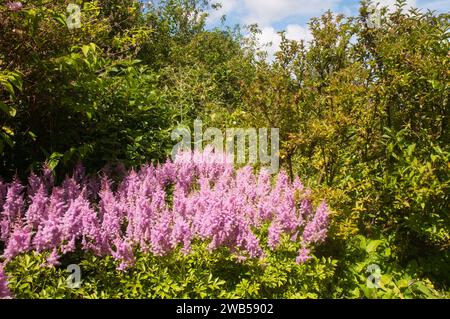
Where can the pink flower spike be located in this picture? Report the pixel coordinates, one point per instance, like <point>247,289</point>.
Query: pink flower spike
<point>5,293</point>
<point>303,256</point>
<point>14,6</point>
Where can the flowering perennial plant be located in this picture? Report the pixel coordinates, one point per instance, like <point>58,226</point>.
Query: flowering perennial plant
<point>158,209</point>
<point>14,5</point>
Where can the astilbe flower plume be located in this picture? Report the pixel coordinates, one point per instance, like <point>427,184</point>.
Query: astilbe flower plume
<point>14,5</point>
<point>20,241</point>
<point>159,209</point>
<point>5,293</point>
<point>53,258</point>
<point>12,209</point>
<point>303,255</point>
<point>316,230</point>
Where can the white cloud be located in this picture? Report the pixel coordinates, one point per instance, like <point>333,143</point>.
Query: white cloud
<point>297,32</point>
<point>270,35</point>
<point>270,40</point>
<point>265,12</point>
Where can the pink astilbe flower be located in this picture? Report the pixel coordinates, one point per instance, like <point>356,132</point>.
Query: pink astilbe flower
<point>80,222</point>
<point>19,242</point>
<point>123,253</point>
<point>34,184</point>
<point>37,211</point>
<point>5,293</point>
<point>159,209</point>
<point>248,241</point>
<point>263,192</point>
<point>111,217</point>
<point>53,259</point>
<point>12,209</point>
<point>160,236</point>
<point>93,186</point>
<point>71,189</point>
<point>274,235</point>
<point>181,233</point>
<point>47,175</point>
<point>303,255</point>
<point>45,180</point>
<point>49,232</point>
<point>316,230</point>
<point>14,5</point>
<point>306,208</point>
<point>287,213</point>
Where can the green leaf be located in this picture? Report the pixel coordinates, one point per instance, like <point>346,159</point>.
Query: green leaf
<point>435,84</point>
<point>403,283</point>
<point>7,109</point>
<point>8,130</point>
<point>16,81</point>
<point>54,160</point>
<point>8,86</point>
<point>386,279</point>
<point>362,242</point>
<point>85,49</point>
<point>410,149</point>
<point>12,112</point>
<point>32,135</point>
<point>92,46</point>
<point>424,289</point>
<point>373,245</point>
<point>61,19</point>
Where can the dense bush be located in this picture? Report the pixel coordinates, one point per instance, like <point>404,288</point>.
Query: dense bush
<point>363,116</point>
<point>96,93</point>
<point>164,210</point>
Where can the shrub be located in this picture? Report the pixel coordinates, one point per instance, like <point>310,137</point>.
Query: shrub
<point>197,203</point>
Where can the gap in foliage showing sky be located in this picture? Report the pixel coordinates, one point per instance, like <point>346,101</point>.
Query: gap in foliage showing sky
<point>293,16</point>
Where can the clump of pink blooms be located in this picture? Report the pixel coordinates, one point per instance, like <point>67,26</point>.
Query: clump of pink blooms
<point>158,209</point>
<point>4,290</point>
<point>14,5</point>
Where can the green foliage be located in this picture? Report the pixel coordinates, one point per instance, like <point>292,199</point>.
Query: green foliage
<point>416,183</point>
<point>370,270</point>
<point>200,274</point>
<point>11,82</point>
<point>362,110</point>
<point>115,87</point>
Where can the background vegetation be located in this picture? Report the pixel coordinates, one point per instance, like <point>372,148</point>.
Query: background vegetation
<point>363,116</point>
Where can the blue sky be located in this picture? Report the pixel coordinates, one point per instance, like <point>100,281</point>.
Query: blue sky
<point>293,15</point>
